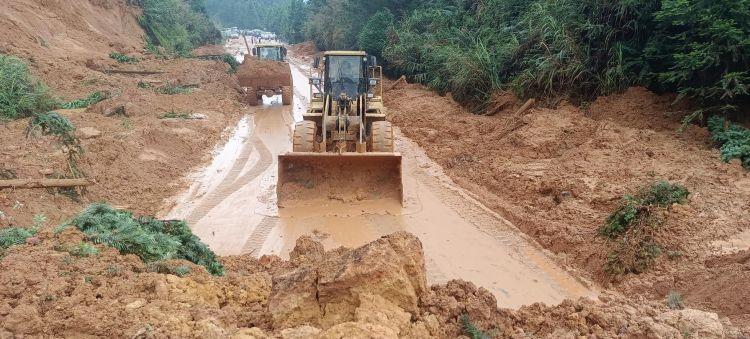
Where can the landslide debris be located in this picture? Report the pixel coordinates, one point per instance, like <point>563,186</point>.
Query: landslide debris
<point>557,173</point>
<point>377,290</point>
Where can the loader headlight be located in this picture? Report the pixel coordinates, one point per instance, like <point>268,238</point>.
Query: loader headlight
<point>315,81</point>
<point>373,82</point>
<point>370,95</point>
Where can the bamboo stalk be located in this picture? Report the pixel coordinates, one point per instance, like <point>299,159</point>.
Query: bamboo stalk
<point>43,183</point>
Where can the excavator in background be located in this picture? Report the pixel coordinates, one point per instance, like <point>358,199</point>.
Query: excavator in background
<point>265,71</point>
<point>343,149</point>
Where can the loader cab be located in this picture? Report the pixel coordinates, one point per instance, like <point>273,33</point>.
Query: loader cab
<point>347,72</point>
<point>272,52</point>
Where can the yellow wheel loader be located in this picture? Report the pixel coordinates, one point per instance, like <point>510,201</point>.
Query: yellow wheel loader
<point>265,71</point>
<point>343,148</point>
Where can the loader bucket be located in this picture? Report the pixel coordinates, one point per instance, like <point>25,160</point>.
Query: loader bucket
<point>347,177</point>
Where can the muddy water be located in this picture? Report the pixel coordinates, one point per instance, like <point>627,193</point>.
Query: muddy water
<point>231,206</point>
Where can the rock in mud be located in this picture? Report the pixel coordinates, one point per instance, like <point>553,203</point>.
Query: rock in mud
<point>330,292</point>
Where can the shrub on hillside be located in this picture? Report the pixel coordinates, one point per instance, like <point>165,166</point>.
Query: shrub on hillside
<point>733,140</point>
<point>178,26</point>
<point>150,239</point>
<point>373,37</point>
<point>14,236</point>
<point>633,227</point>
<point>85,102</point>
<point>20,94</point>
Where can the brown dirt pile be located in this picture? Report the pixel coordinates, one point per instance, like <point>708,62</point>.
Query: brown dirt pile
<point>57,37</point>
<point>264,73</point>
<point>303,52</point>
<point>557,174</point>
<point>377,290</point>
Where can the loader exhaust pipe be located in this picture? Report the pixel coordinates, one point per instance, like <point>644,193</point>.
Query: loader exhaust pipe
<point>347,177</point>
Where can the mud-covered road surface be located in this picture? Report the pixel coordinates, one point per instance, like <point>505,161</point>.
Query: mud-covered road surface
<point>231,206</point>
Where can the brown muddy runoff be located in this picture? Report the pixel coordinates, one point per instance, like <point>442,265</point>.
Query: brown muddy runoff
<point>231,205</point>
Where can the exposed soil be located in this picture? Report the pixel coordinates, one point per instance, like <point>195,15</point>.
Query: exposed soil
<point>557,173</point>
<point>264,73</point>
<point>136,157</point>
<point>378,290</point>
<point>554,173</point>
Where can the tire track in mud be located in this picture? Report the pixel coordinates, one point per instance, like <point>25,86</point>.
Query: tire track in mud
<point>260,234</point>
<point>233,181</point>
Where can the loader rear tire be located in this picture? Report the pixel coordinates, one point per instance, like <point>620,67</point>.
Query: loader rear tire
<point>304,136</point>
<point>251,97</point>
<point>286,95</point>
<point>382,136</point>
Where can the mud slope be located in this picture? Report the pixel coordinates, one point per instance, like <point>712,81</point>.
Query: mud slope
<point>135,155</point>
<point>58,36</point>
<point>557,174</point>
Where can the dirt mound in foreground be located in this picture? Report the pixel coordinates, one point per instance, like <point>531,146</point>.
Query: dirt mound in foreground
<point>377,290</point>
<point>557,174</point>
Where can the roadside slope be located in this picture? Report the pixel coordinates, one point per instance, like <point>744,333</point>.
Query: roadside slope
<point>557,174</point>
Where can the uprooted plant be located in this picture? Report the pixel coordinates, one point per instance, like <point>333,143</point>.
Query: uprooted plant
<point>52,123</point>
<point>633,227</point>
<point>150,239</point>
<point>175,89</point>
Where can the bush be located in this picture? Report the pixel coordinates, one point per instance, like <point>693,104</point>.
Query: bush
<point>86,102</point>
<point>150,239</point>
<point>733,140</point>
<point>674,301</point>
<point>178,26</point>
<point>123,59</point>
<point>232,62</point>
<point>20,94</point>
<point>633,227</point>
<point>14,236</point>
<point>373,37</point>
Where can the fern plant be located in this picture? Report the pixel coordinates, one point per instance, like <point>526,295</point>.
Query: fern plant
<point>733,140</point>
<point>150,239</point>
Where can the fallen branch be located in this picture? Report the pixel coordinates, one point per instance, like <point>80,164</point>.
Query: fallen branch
<point>529,103</point>
<point>122,71</point>
<point>43,183</point>
<point>400,80</point>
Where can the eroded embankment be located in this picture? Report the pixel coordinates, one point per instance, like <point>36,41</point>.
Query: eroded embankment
<point>557,173</point>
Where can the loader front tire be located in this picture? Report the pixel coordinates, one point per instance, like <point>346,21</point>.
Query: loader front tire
<point>286,95</point>
<point>382,136</point>
<point>304,136</point>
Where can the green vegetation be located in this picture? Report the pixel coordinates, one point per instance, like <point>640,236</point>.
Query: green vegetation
<point>177,26</point>
<point>633,227</point>
<point>150,239</point>
<point>471,330</point>
<point>93,98</point>
<point>733,140</point>
<point>537,48</point>
<point>232,62</point>
<point>175,89</point>
<point>10,236</point>
<point>20,94</point>
<point>123,59</point>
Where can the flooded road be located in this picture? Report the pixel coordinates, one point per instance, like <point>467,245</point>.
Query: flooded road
<point>231,206</point>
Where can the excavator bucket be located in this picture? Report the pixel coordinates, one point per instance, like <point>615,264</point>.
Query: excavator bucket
<point>346,177</point>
